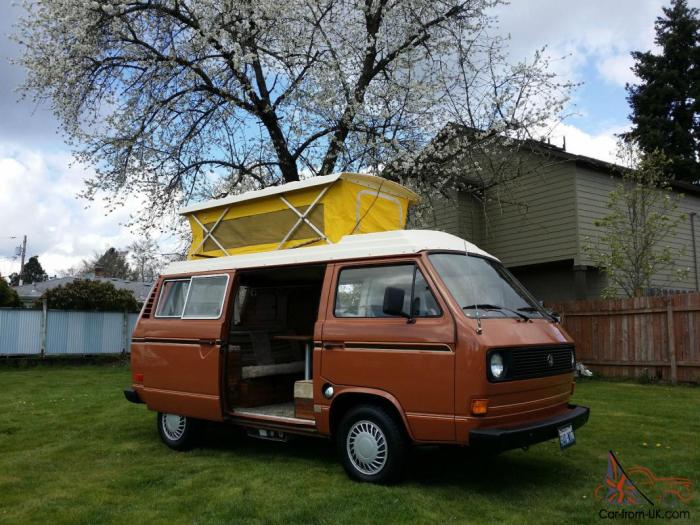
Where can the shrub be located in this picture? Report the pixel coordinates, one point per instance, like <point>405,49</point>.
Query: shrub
<point>85,294</point>
<point>8,297</point>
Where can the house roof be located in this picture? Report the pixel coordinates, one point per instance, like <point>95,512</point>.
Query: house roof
<point>551,150</point>
<point>381,244</point>
<point>601,165</point>
<point>452,131</point>
<point>33,291</point>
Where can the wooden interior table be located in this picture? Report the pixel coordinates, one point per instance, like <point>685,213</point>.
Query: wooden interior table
<point>308,341</point>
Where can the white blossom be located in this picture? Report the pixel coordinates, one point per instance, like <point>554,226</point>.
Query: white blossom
<point>170,98</point>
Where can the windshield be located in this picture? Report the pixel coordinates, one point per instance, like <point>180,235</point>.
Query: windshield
<point>484,286</point>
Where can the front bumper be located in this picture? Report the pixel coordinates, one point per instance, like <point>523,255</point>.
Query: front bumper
<point>133,396</point>
<point>530,433</point>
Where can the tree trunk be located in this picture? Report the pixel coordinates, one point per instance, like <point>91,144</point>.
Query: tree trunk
<point>287,163</point>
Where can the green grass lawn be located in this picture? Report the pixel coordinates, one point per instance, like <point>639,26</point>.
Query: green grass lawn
<point>72,450</point>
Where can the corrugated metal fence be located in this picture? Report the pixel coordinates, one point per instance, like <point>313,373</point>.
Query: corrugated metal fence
<point>654,336</point>
<point>59,332</point>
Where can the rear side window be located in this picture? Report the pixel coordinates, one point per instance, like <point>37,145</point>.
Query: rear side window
<point>194,298</point>
<point>360,291</point>
<point>172,298</point>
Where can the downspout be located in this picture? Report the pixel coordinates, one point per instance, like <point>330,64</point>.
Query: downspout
<point>695,251</point>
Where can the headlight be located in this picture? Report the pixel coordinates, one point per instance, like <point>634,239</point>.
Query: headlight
<point>496,364</point>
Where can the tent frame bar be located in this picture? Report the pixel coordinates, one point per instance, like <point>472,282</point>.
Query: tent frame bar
<point>303,218</point>
<point>210,233</point>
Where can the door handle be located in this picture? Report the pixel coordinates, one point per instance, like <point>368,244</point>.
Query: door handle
<point>331,346</point>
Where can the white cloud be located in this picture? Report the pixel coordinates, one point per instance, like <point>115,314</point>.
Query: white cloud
<point>594,28</point>
<point>38,199</point>
<point>600,146</point>
<point>596,38</point>
<point>617,69</point>
<point>598,32</point>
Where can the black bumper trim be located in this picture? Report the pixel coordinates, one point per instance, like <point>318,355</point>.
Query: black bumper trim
<point>525,435</point>
<point>132,396</point>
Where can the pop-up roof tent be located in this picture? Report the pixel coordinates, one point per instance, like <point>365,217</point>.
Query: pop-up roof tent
<point>305,213</point>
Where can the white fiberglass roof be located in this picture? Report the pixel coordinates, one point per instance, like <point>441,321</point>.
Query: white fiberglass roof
<point>381,244</point>
<point>370,181</point>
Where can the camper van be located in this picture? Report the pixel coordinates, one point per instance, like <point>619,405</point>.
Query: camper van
<point>377,340</point>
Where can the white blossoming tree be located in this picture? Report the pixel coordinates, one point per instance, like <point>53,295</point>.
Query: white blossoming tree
<point>167,97</point>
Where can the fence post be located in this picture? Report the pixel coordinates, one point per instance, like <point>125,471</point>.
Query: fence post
<point>671,341</point>
<point>44,325</point>
<point>125,331</point>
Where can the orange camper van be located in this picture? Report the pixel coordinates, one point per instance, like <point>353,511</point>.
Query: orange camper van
<point>377,340</point>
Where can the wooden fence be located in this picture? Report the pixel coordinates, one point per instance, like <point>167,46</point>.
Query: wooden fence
<point>654,336</point>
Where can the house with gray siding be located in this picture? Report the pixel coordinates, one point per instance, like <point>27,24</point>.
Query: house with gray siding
<point>540,227</point>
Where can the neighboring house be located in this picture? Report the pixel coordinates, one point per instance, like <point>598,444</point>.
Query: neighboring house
<point>539,226</point>
<point>29,293</point>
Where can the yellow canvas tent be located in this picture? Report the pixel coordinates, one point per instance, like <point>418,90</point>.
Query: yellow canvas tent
<point>305,213</point>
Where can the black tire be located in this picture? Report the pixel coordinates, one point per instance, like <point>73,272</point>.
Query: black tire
<point>180,434</point>
<point>371,430</point>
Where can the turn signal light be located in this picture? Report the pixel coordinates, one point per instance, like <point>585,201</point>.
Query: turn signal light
<point>480,406</point>
<point>138,377</point>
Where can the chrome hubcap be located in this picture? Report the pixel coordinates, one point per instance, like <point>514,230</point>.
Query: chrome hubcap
<point>174,426</point>
<point>367,447</point>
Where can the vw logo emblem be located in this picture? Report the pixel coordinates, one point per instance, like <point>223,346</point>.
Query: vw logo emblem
<point>550,360</point>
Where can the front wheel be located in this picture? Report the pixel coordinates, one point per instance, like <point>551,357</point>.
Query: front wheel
<point>178,432</point>
<point>372,445</point>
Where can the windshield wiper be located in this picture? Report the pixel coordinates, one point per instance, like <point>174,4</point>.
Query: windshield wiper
<point>531,309</point>
<point>538,310</point>
<point>495,307</point>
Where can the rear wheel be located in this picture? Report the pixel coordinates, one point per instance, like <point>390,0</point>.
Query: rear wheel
<point>178,432</point>
<point>372,445</point>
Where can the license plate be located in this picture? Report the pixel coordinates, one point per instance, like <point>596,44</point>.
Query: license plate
<point>566,437</point>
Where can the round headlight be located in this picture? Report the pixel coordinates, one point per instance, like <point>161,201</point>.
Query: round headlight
<point>496,364</point>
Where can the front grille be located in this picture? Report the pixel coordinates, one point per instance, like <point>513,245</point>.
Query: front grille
<point>531,362</point>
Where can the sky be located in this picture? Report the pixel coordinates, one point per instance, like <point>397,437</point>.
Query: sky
<point>39,182</point>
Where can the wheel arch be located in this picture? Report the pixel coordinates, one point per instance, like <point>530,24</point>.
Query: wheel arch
<point>349,398</point>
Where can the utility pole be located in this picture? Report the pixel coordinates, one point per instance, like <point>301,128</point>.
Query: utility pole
<point>24,253</point>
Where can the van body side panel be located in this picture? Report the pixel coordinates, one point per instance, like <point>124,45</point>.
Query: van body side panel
<point>180,361</point>
<point>413,362</point>
<point>321,404</point>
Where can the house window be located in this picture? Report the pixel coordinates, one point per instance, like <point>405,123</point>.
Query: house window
<point>360,291</point>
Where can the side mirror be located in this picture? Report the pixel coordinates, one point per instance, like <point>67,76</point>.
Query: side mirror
<point>393,302</point>
<point>555,316</point>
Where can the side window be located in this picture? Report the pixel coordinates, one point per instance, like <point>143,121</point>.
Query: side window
<point>195,298</point>
<point>206,297</point>
<point>360,291</point>
<point>172,298</point>
<point>424,303</point>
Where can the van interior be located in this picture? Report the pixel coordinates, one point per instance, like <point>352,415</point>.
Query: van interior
<point>273,317</point>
